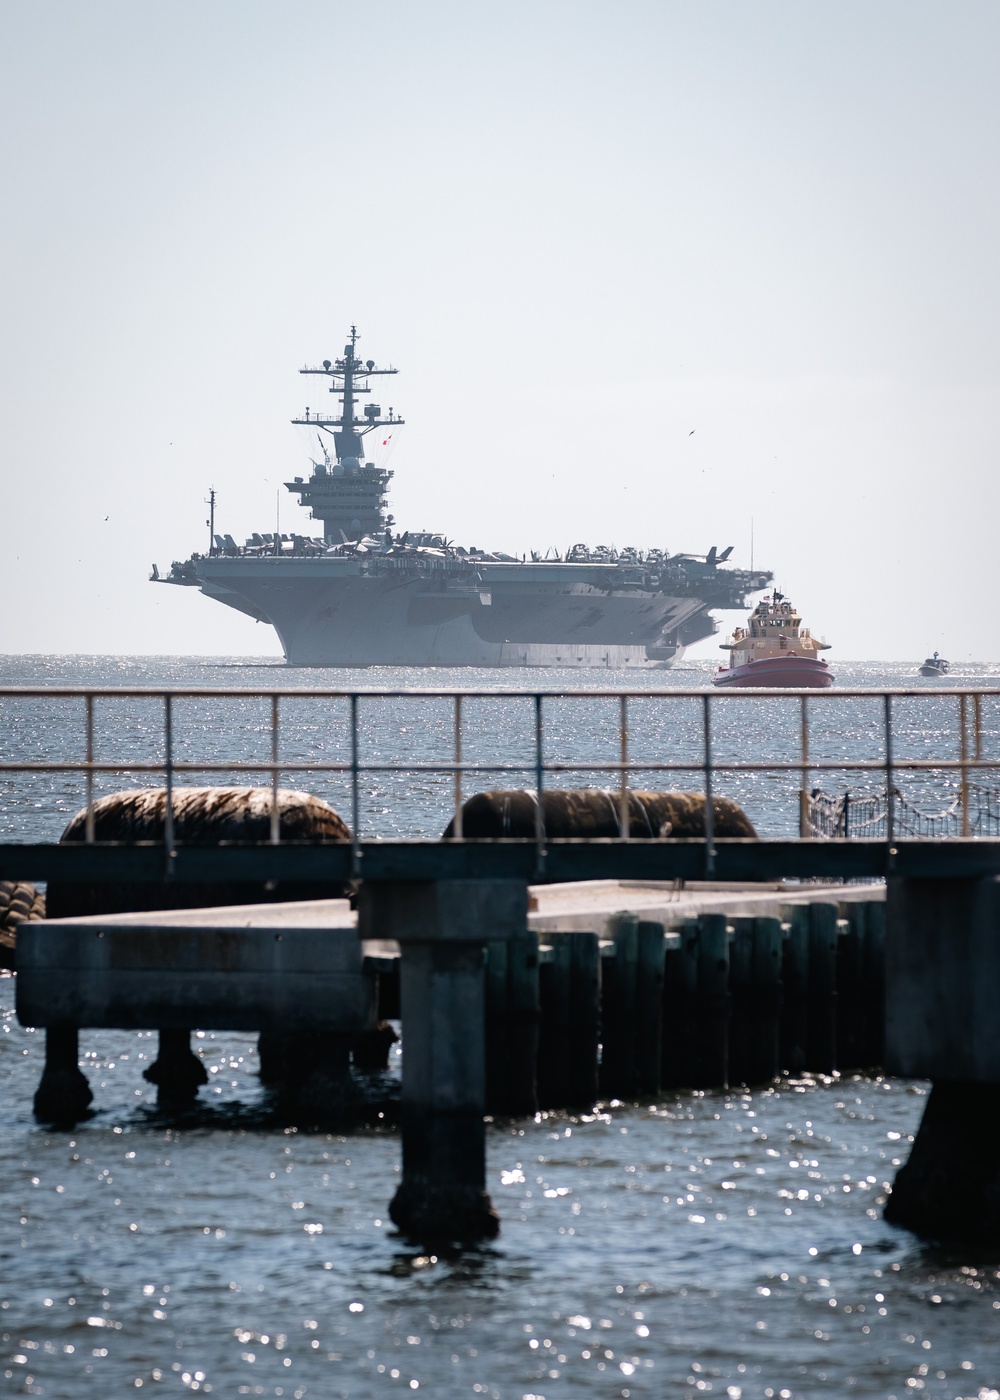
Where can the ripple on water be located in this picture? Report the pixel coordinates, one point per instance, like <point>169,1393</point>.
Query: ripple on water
<point>728,1244</point>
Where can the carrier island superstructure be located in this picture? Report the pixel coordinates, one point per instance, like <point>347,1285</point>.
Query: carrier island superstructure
<point>366,594</point>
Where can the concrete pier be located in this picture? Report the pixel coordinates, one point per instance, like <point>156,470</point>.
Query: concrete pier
<point>442,928</point>
<point>496,999</point>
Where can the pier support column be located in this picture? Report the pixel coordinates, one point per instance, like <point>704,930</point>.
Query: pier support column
<point>943,985</point>
<point>310,1071</point>
<point>443,928</point>
<point>177,1071</point>
<point>63,1095</point>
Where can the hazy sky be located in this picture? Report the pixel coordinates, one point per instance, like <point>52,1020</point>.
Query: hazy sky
<point>581,231</point>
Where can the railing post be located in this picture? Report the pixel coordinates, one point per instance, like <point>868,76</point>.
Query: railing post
<point>963,754</point>
<point>457,819</point>
<point>890,796</point>
<point>709,809</point>
<point>977,751</point>
<point>539,792</point>
<point>168,766</point>
<point>89,835</point>
<point>275,823</point>
<point>805,826</point>
<point>355,802</point>
<point>623,821</point>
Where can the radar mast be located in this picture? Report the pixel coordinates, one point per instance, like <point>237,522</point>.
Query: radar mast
<point>348,495</point>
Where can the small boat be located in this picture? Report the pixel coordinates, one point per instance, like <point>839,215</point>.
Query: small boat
<point>775,651</point>
<point>934,666</point>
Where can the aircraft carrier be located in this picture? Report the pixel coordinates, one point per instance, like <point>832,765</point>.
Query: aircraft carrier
<point>366,594</point>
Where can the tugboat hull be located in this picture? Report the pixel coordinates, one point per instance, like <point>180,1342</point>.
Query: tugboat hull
<point>778,673</point>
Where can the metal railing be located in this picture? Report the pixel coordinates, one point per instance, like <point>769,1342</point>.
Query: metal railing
<point>967,762</point>
<point>972,812</point>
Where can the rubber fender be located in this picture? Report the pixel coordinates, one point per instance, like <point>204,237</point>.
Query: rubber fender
<point>201,817</point>
<point>596,813</point>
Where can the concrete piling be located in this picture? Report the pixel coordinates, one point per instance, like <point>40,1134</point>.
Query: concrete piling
<point>63,1096</point>
<point>821,1034</point>
<point>442,1196</point>
<point>632,1009</point>
<point>755,984</point>
<point>678,1060</point>
<point>570,984</point>
<point>711,1045</point>
<point>555,1030</point>
<point>852,1038</point>
<point>177,1072</point>
<point>619,1029</point>
<point>495,1026</point>
<point>942,977</point>
<point>443,928</point>
<point>794,1028</point>
<point>742,990</point>
<point>766,1045</point>
<point>370,1050</point>
<point>949,1188</point>
<point>585,1013</point>
<point>310,1073</point>
<point>512,1024</point>
<point>324,1090</point>
<point>874,983</point>
<point>585,1007</point>
<point>650,951</point>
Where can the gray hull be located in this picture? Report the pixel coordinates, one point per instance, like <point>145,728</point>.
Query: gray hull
<point>328,612</point>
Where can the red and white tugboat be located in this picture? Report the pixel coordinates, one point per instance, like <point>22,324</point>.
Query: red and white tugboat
<point>774,651</point>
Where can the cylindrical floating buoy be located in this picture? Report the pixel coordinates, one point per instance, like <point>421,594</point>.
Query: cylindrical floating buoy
<point>206,816</point>
<point>201,817</point>
<point>593,813</point>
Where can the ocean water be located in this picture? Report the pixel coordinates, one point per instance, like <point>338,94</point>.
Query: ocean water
<point>497,730</point>
<point>727,1243</point>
